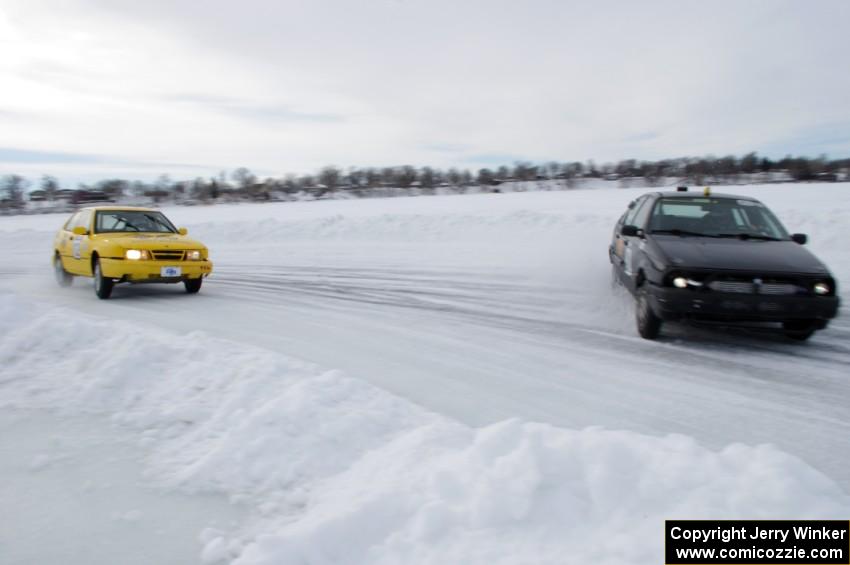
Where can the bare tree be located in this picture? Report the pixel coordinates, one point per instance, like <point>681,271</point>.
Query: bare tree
<point>243,178</point>
<point>13,187</point>
<point>114,188</point>
<point>405,176</point>
<point>329,176</point>
<point>50,186</point>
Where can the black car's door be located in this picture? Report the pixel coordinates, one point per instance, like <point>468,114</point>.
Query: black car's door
<point>625,245</point>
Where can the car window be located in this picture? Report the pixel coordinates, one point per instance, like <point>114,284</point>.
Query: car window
<point>83,219</point>
<point>680,209</point>
<point>642,215</point>
<point>72,221</point>
<point>630,215</point>
<point>715,217</point>
<point>116,221</point>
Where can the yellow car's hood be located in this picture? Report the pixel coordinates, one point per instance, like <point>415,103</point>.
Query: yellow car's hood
<point>151,240</point>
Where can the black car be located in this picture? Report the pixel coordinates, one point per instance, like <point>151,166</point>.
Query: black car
<point>718,259</point>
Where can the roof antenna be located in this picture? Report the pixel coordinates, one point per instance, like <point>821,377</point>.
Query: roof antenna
<point>681,189</point>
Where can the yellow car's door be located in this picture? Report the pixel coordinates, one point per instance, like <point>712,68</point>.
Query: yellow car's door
<point>76,251</point>
<point>64,242</point>
<point>87,221</point>
<point>81,244</point>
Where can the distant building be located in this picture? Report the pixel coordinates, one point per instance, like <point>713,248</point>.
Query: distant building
<point>89,196</point>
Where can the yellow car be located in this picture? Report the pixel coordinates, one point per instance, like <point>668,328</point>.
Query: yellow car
<point>116,244</point>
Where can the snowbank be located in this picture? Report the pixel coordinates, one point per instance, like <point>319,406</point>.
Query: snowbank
<point>342,472</point>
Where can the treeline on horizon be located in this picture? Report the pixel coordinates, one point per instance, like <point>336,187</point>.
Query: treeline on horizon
<point>242,183</point>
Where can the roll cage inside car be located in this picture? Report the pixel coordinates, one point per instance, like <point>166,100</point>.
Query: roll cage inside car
<point>118,221</point>
<point>714,216</point>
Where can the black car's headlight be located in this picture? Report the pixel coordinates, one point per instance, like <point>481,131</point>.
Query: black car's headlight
<point>682,280</point>
<point>824,288</point>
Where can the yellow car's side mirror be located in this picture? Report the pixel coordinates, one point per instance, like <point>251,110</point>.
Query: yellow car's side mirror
<point>80,230</point>
<point>182,231</point>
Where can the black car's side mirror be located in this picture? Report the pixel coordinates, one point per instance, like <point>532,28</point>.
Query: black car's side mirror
<point>800,238</point>
<point>630,231</point>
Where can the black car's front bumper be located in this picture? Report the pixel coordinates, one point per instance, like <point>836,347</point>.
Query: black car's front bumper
<point>712,306</point>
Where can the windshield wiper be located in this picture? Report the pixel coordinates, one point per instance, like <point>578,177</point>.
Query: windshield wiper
<point>748,236</point>
<point>683,232</point>
<point>160,222</point>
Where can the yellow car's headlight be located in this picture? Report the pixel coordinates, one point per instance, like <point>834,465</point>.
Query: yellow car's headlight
<point>136,254</point>
<point>193,255</point>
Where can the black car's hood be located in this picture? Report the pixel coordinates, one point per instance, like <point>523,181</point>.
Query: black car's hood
<point>736,254</point>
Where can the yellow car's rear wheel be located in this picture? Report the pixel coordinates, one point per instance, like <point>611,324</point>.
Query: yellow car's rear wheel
<point>63,277</point>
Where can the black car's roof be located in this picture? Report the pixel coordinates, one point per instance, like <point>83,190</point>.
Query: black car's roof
<point>701,194</point>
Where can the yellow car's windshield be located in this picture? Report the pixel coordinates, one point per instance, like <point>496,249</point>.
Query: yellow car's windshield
<point>117,221</point>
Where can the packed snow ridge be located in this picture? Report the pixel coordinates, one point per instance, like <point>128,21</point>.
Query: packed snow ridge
<point>342,472</point>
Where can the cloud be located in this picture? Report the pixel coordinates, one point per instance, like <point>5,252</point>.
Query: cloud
<point>252,110</point>
<point>445,147</point>
<point>15,155</point>
<point>291,86</point>
<point>494,159</point>
<point>831,139</point>
<point>79,167</point>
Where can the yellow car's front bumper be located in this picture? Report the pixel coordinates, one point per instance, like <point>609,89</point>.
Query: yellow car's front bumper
<point>154,271</point>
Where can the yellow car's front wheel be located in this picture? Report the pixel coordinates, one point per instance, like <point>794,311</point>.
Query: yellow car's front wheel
<point>193,285</point>
<point>102,285</point>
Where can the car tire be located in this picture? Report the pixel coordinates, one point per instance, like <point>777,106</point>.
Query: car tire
<point>193,285</point>
<point>102,285</point>
<point>615,277</point>
<point>648,323</point>
<point>798,331</point>
<point>63,277</point>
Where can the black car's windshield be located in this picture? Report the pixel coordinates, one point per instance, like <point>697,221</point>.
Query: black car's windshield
<point>116,221</point>
<point>715,217</point>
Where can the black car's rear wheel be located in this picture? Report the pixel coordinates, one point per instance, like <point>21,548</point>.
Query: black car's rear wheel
<point>102,285</point>
<point>193,285</point>
<point>648,324</point>
<point>63,277</point>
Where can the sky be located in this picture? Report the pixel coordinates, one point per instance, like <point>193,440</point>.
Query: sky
<point>93,89</point>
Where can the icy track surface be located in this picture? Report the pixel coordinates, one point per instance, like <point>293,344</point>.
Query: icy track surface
<point>335,470</point>
<point>461,312</point>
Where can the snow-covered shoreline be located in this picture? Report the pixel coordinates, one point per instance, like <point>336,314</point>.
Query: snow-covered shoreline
<point>340,471</point>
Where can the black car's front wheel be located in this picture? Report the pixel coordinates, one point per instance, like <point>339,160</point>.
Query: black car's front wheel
<point>63,277</point>
<point>798,331</point>
<point>648,324</point>
<point>102,285</point>
<point>615,277</point>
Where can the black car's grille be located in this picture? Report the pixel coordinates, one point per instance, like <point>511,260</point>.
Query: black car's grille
<point>756,285</point>
<point>167,254</point>
<point>731,286</point>
<point>778,288</point>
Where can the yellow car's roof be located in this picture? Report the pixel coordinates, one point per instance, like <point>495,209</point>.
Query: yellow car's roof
<point>128,208</point>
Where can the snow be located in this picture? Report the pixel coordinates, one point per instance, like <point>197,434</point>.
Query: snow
<point>73,492</point>
<point>417,380</point>
<point>340,471</point>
